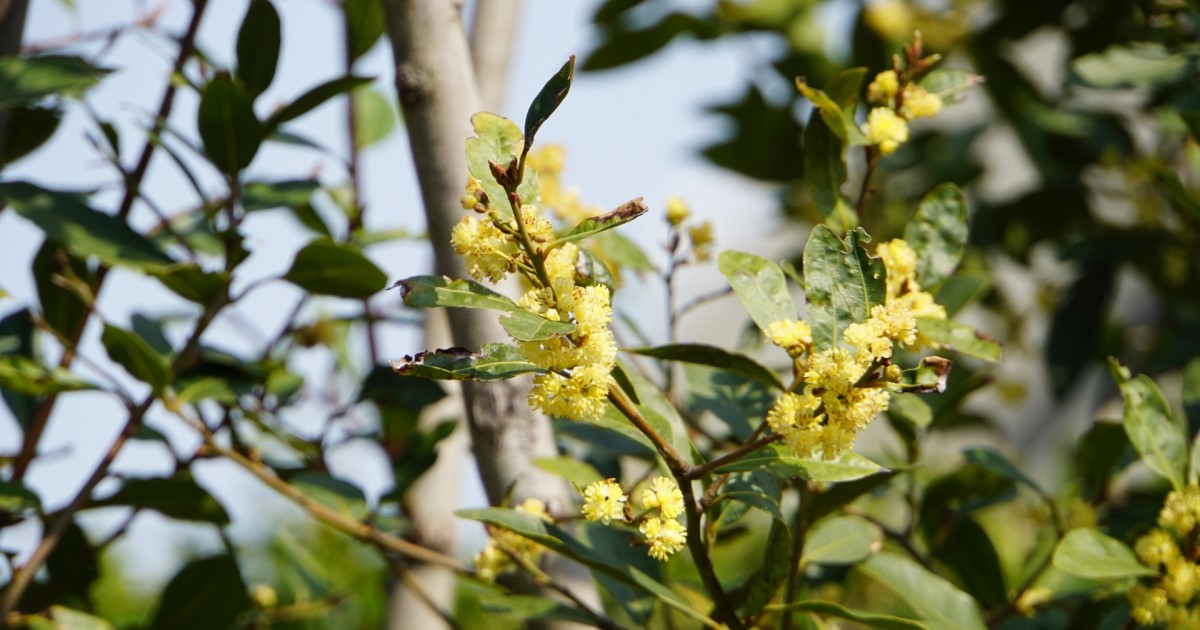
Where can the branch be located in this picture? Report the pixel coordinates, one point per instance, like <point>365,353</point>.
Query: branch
<point>493,31</point>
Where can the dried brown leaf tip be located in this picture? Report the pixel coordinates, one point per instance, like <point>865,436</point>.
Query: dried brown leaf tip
<point>629,210</point>
<point>406,363</point>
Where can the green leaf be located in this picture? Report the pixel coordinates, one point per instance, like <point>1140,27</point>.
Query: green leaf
<point>364,25</point>
<point>340,496</point>
<point>374,116</point>
<point>575,471</point>
<point>846,467</point>
<point>1155,436</point>
<point>910,409</point>
<point>559,541</point>
<point>177,497</point>
<point>930,375</point>
<point>1141,64</point>
<point>757,489</point>
<point>16,499</point>
<point>1191,395</point>
<point>995,461</point>
<point>548,100</point>
<point>738,401</point>
<point>661,414</point>
<point>22,375</point>
<point>702,354</point>
<point>383,388</point>
<point>840,122</point>
<point>623,214</point>
<point>29,79</point>
<point>228,127</point>
<point>27,129</point>
<point>840,495</point>
<point>825,173</point>
<point>495,361</point>
<point>497,139</point>
<point>960,338</point>
<point>937,231</point>
<point>1088,553</point>
<point>328,268</point>
<point>63,618</point>
<point>205,594</point>
<point>313,99</point>
<point>190,282</point>
<point>73,565</point>
<point>961,290</point>
<point>949,83</point>
<point>440,291</point>
<point>622,251</point>
<point>258,47</point>
<point>759,285</point>
<point>62,282</point>
<point>870,620</point>
<point>934,600</point>
<point>967,554</point>
<point>85,232</point>
<point>1103,448</point>
<point>137,357</point>
<point>842,282</point>
<point>288,193</point>
<point>526,326</point>
<point>771,573</point>
<point>841,540</point>
<point>16,340</point>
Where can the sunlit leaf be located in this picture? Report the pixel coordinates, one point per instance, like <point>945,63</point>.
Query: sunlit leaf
<point>841,540</point>
<point>1157,438</point>
<point>960,338</point>
<point>937,232</point>
<point>759,285</point>
<point>1088,553</point>
<point>842,282</point>
<point>935,601</point>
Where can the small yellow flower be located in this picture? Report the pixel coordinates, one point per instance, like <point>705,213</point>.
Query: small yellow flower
<point>919,103</point>
<point>490,562</point>
<point>665,536</point>
<point>604,501</point>
<point>885,86</point>
<point>677,211</point>
<point>1157,548</point>
<point>496,557</point>
<point>885,129</point>
<point>702,239</point>
<point>1181,511</point>
<point>792,335</point>
<point>665,495</point>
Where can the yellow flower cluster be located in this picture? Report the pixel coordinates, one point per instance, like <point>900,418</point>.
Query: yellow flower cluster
<point>793,336</point>
<point>903,287</point>
<point>886,130</point>
<point>497,556</point>
<point>887,124</point>
<point>548,161</point>
<point>605,501</point>
<point>1171,600</point>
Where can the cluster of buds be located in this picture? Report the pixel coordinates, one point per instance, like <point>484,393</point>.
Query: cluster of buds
<point>699,235</point>
<point>843,390</point>
<point>504,548</point>
<point>897,98</point>
<point>662,504</point>
<point>1171,548</point>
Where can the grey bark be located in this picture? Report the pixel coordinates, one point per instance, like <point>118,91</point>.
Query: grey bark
<point>493,31</point>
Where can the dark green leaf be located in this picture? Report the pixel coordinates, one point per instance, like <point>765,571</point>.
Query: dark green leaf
<point>960,338</point>
<point>935,601</point>
<point>440,291</point>
<point>288,193</point>
<point>205,594</point>
<point>825,172</point>
<point>623,214</point>
<point>417,455</point>
<point>228,127</point>
<point>1157,438</point>
<point>661,414</point>
<point>757,489</point>
<point>759,285</point>
<point>190,282</point>
<point>870,620</point>
<point>364,25</point>
<point>54,270</point>
<point>258,47</point>
<point>763,141</point>
<point>841,540</point>
<point>837,496</point>
<point>328,268</point>
<point>548,100</point>
<point>996,461</point>
<point>22,375</point>
<point>16,499</point>
<point>937,231</point>
<point>739,402</point>
<point>16,340</point>
<point>73,565</point>
<point>1088,553</point>
<point>1191,395</point>
<point>1103,449</point>
<point>383,388</point>
<point>771,573</point>
<point>313,99</point>
<point>177,497</point>
<point>846,467</point>
<point>132,352</point>
<point>28,79</point>
<point>495,362</point>
<point>65,218</point>
<point>27,128</point>
<point>374,116</point>
<point>712,356</point>
<point>842,282</point>
<point>969,555</point>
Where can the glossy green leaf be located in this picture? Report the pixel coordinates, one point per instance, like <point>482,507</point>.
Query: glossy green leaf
<point>559,541</point>
<point>258,47</point>
<point>960,338</point>
<point>190,282</point>
<point>1157,438</point>
<point>842,282</point>
<point>228,127</point>
<point>132,352</point>
<point>575,471</point>
<point>712,356</point>
<point>85,232</point>
<point>1089,553</point>
<point>759,285</point>
<point>969,557</point>
<point>62,282</point>
<point>207,593</point>
<point>548,100</point>
<point>623,214</point>
<point>177,497</point>
<point>937,232</point>
<point>526,326</point>
<point>328,268</point>
<point>374,116</point>
<point>840,121</point>
<point>22,375</point>
<point>935,601</point>
<point>313,99</point>
<point>868,619</point>
<point>24,80</point>
<point>364,25</point>
<point>613,422</point>
<point>340,496</point>
<point>841,540</point>
<point>846,467</point>
<point>27,128</point>
<point>16,499</point>
<point>494,362</point>
<point>497,139</point>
